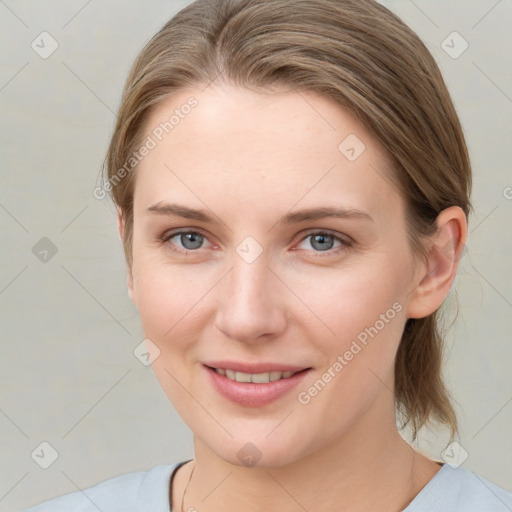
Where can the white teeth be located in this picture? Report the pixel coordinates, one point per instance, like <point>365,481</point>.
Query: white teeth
<point>258,378</point>
<point>275,376</point>
<point>261,378</point>
<point>243,377</point>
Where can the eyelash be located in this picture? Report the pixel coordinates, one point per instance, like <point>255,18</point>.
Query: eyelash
<point>345,243</point>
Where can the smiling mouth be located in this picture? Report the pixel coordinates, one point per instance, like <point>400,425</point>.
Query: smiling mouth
<point>257,378</point>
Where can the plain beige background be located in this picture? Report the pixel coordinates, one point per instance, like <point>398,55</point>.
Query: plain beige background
<point>69,376</point>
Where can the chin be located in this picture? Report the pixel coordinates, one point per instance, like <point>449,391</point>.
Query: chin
<point>263,448</point>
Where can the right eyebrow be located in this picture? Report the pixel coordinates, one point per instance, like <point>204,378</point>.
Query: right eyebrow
<point>177,210</point>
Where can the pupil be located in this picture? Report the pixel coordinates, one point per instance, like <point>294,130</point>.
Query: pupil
<point>322,239</point>
<point>193,238</point>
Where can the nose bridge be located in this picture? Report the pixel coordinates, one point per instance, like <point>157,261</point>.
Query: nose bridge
<point>249,305</point>
<point>251,279</point>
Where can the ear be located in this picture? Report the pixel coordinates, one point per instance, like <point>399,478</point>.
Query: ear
<point>120,227</point>
<point>444,253</point>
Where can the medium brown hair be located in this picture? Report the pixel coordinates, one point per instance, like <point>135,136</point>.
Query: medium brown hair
<point>357,53</point>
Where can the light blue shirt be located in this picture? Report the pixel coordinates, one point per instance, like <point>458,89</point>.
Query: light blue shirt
<point>450,490</point>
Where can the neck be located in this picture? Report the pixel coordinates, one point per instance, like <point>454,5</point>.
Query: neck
<point>367,468</point>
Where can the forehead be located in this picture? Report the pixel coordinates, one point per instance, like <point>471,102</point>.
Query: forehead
<point>232,146</point>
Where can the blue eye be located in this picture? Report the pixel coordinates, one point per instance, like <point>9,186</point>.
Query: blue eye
<point>189,240</point>
<point>322,242</point>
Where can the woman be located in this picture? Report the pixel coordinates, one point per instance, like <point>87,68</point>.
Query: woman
<point>293,188</point>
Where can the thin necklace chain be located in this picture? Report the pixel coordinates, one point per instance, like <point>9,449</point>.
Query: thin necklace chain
<point>192,472</point>
<point>185,491</point>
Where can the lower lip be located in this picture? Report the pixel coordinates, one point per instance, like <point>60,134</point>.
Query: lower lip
<point>251,394</point>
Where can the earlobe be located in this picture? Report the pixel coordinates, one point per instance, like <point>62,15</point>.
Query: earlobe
<point>444,254</point>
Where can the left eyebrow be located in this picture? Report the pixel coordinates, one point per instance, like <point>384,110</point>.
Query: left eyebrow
<point>177,210</point>
<point>320,213</point>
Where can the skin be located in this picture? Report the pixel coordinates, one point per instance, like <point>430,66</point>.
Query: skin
<point>247,159</point>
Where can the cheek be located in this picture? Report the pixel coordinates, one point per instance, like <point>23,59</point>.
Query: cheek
<point>169,303</point>
<point>363,315</point>
<point>367,316</point>
<point>166,297</point>
<point>350,299</point>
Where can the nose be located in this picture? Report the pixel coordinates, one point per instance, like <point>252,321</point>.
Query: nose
<point>252,303</point>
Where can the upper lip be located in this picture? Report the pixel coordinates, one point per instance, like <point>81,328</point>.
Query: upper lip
<point>254,368</point>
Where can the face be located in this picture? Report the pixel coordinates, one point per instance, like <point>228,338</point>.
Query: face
<point>267,236</point>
